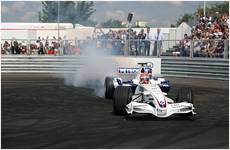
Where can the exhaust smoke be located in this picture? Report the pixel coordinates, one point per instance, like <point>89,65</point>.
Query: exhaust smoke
<point>95,66</point>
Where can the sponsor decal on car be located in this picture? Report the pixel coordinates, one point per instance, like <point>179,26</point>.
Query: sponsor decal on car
<point>176,105</point>
<point>128,70</point>
<point>161,112</point>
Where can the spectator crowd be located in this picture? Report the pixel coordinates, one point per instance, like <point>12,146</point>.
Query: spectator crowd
<point>206,39</point>
<point>119,41</point>
<point>40,46</point>
<point>207,36</point>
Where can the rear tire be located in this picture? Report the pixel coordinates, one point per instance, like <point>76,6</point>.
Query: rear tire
<point>109,88</point>
<point>122,96</point>
<point>185,94</point>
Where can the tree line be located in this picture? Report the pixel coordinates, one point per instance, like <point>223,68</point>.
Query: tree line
<point>79,12</point>
<point>211,10</point>
<point>75,12</point>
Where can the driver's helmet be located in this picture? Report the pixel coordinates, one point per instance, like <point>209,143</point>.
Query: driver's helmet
<point>145,75</point>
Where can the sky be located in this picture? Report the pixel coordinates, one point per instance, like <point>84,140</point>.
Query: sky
<point>156,13</point>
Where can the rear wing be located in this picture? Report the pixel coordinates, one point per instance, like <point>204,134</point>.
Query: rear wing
<point>146,64</point>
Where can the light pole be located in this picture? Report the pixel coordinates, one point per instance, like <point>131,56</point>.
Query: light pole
<point>204,8</point>
<point>129,38</point>
<point>129,19</point>
<point>58,18</point>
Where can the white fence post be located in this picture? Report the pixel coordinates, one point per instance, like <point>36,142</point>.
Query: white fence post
<point>191,48</point>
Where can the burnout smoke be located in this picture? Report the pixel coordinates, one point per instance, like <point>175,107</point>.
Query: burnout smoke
<point>95,66</point>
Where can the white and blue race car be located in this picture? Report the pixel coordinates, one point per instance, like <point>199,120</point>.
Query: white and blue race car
<point>147,94</point>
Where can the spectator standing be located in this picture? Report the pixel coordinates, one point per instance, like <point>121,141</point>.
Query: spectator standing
<point>3,50</point>
<point>14,47</point>
<point>46,45</point>
<point>123,38</point>
<point>65,45</point>
<point>147,43</point>
<point>6,48</point>
<point>158,37</point>
<point>41,48</point>
<point>185,46</point>
<point>60,46</point>
<point>141,44</point>
<point>135,37</point>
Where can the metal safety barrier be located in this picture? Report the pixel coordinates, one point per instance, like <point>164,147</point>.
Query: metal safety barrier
<point>195,68</point>
<point>170,66</point>
<point>40,64</point>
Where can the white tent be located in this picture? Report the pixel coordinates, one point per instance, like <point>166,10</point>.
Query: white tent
<point>183,28</point>
<point>32,30</point>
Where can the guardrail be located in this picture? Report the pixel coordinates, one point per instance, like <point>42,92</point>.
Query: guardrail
<point>170,66</point>
<point>195,68</point>
<point>40,64</point>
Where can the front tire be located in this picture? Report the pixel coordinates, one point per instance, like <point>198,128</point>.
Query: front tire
<point>109,88</point>
<point>122,97</point>
<point>185,94</point>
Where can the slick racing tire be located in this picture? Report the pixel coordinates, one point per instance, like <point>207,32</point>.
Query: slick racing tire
<point>109,88</point>
<point>185,94</point>
<point>122,96</point>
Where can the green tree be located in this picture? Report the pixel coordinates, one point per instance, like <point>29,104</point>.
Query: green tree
<point>90,23</point>
<point>172,26</point>
<point>112,24</point>
<point>184,18</point>
<point>211,9</point>
<point>69,12</point>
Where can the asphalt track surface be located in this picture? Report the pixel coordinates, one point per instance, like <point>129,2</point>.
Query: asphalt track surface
<point>39,111</point>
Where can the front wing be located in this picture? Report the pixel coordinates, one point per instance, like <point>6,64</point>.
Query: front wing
<point>174,108</point>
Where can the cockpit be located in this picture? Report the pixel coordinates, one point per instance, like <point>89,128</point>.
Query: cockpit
<point>145,75</point>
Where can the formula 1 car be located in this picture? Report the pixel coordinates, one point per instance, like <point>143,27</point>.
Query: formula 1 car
<point>147,94</point>
<point>145,69</point>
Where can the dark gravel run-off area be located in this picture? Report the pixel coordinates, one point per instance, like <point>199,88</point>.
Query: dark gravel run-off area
<point>39,111</point>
